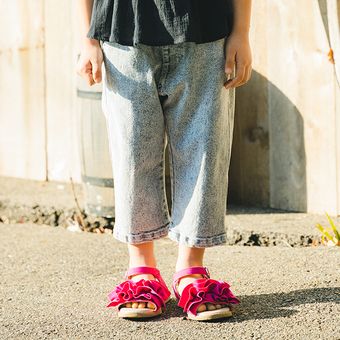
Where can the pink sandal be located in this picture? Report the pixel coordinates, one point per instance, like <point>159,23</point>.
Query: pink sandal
<point>202,291</point>
<point>154,291</point>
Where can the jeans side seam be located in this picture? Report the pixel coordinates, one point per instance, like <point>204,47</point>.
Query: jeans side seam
<point>172,172</point>
<point>162,181</point>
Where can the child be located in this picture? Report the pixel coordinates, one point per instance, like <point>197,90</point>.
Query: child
<point>166,74</point>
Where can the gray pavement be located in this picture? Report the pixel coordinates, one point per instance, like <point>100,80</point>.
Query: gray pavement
<point>54,285</point>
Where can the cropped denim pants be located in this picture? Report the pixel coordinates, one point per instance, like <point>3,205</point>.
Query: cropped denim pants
<point>154,95</point>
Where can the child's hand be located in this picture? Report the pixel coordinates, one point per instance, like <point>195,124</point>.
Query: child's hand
<point>238,53</point>
<point>90,62</point>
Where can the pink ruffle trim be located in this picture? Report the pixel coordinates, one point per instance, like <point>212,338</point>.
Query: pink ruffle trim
<point>206,290</point>
<point>139,291</point>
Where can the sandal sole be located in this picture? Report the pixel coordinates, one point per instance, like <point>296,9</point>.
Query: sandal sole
<point>137,313</point>
<point>211,315</point>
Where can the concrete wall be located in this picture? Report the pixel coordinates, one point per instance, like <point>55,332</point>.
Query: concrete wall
<point>286,145</point>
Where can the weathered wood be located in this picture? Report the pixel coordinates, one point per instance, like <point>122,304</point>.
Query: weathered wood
<point>249,168</point>
<point>61,81</point>
<point>297,107</point>
<point>286,148</point>
<point>22,93</point>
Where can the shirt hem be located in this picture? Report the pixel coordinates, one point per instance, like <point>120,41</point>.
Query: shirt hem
<point>130,42</point>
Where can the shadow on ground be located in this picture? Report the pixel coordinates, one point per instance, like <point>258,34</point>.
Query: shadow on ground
<point>262,306</point>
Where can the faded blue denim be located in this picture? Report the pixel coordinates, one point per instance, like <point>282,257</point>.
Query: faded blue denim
<point>153,95</point>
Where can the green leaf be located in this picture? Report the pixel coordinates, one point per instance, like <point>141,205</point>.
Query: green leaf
<point>324,232</point>
<point>336,233</point>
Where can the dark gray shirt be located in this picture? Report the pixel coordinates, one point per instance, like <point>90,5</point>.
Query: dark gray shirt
<point>160,22</point>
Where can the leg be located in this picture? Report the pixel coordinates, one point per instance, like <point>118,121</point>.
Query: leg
<point>191,257</point>
<point>141,255</point>
<point>199,114</point>
<point>135,126</point>
<point>136,138</point>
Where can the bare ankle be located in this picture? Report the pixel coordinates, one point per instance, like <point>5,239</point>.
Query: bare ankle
<point>186,264</point>
<point>189,257</point>
<point>141,255</point>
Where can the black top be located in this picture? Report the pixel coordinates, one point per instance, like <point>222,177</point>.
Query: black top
<point>160,22</point>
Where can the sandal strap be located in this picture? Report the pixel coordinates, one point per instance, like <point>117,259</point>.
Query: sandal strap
<point>145,270</point>
<point>188,271</point>
<point>206,290</point>
<point>142,291</point>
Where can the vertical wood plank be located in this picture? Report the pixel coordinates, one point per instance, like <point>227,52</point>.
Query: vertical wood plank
<point>22,117</point>
<point>302,135</point>
<point>61,56</point>
<point>249,168</point>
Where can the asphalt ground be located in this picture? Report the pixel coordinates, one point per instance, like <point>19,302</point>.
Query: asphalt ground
<point>54,285</point>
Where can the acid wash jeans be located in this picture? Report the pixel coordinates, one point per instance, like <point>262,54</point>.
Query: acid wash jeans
<point>154,95</point>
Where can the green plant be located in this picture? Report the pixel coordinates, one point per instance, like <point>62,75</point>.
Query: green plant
<point>327,237</point>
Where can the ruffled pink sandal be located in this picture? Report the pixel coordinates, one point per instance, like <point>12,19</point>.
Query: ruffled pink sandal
<point>154,291</point>
<point>202,291</point>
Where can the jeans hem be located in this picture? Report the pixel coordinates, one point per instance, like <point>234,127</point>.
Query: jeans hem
<point>198,242</point>
<point>143,236</point>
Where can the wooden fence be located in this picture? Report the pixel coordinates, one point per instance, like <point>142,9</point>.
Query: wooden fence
<point>286,149</point>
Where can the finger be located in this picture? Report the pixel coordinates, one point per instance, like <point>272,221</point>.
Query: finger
<point>230,62</point>
<point>249,73</point>
<point>85,71</point>
<point>240,73</point>
<point>96,72</point>
<point>89,78</point>
<point>245,76</point>
<point>240,69</point>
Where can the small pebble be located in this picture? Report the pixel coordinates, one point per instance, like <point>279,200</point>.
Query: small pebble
<point>134,305</point>
<point>218,306</point>
<point>128,305</point>
<point>141,305</point>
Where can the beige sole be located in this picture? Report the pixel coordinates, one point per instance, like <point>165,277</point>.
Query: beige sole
<point>211,314</point>
<point>138,313</point>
